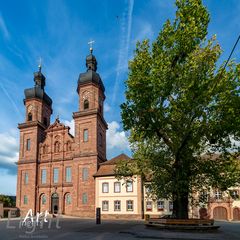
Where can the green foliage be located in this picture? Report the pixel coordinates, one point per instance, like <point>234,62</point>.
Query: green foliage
<point>180,103</point>
<point>7,201</point>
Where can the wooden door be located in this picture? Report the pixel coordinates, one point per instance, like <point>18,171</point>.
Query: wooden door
<point>236,214</point>
<point>220,213</point>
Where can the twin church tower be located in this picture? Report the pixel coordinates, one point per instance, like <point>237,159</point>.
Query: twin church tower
<point>55,169</point>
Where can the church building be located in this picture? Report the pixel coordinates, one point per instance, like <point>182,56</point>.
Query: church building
<point>55,169</point>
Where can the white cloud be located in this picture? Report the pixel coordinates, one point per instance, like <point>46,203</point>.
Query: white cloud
<point>3,28</point>
<point>71,125</point>
<point>115,138</point>
<point>8,147</point>
<point>9,151</point>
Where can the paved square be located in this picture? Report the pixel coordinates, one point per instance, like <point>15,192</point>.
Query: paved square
<point>74,228</point>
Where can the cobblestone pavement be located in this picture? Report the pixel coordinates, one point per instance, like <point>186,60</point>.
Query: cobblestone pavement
<point>74,228</point>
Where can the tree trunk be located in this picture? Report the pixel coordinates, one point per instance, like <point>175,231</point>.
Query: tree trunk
<point>180,194</point>
<point>180,206</point>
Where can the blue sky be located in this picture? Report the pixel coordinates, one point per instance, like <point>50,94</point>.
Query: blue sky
<point>58,31</point>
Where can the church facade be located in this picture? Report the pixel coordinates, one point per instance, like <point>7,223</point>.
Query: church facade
<point>55,169</point>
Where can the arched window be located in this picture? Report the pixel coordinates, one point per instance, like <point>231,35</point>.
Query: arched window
<point>29,116</point>
<point>44,199</point>
<point>57,147</point>
<point>86,104</point>
<point>68,199</point>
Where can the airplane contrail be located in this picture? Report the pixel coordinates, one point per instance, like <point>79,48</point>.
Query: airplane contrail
<point>126,27</point>
<point>10,99</point>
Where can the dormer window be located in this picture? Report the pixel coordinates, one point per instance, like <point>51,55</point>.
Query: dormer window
<point>86,104</point>
<point>29,116</point>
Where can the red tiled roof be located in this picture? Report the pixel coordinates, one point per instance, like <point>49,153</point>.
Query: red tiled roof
<point>107,168</point>
<point>116,159</point>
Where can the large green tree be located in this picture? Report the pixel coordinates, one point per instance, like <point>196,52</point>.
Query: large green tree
<point>181,103</point>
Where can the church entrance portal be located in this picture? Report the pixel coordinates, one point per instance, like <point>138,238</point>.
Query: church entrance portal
<point>55,203</point>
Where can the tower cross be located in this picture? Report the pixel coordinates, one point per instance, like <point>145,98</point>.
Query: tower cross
<point>90,43</point>
<point>40,64</point>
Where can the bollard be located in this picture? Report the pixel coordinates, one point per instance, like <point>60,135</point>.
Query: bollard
<point>98,215</point>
